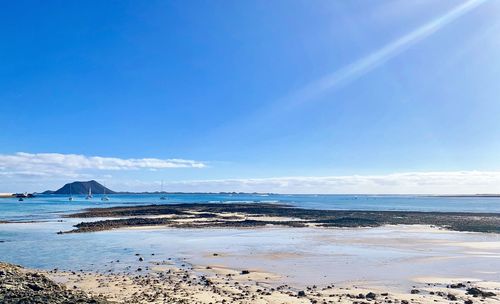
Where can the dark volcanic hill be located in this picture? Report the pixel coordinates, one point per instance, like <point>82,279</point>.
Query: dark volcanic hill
<point>82,188</point>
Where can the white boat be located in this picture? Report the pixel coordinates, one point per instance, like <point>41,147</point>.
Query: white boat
<point>104,196</point>
<point>89,196</point>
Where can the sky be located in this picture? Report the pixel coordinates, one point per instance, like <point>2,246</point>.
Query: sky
<point>283,96</point>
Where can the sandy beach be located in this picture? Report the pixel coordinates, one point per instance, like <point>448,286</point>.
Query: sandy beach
<point>435,268</point>
<point>168,284</point>
<point>165,282</point>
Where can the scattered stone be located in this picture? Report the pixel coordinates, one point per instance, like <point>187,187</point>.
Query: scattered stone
<point>371,296</point>
<point>475,292</point>
<point>20,286</point>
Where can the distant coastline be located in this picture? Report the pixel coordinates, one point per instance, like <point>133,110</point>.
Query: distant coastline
<point>304,194</point>
<point>83,187</point>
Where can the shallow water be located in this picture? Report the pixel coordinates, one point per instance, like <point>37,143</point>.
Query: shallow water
<point>385,255</point>
<point>50,206</point>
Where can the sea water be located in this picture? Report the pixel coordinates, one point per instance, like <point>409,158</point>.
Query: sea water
<point>50,206</point>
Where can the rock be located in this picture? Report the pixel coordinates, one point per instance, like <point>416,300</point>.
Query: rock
<point>451,297</point>
<point>34,287</point>
<point>371,296</point>
<point>475,292</point>
<point>245,272</point>
<point>301,293</point>
<point>28,287</point>
<point>141,259</point>
<point>468,301</point>
<point>415,291</point>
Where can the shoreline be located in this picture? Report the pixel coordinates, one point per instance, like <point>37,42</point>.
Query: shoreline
<point>164,282</point>
<point>250,215</point>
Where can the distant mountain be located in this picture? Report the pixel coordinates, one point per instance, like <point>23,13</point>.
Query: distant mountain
<point>77,188</point>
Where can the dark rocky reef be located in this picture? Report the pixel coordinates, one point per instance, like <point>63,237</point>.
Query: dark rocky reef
<point>210,215</point>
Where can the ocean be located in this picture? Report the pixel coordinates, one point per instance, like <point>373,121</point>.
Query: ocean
<point>45,207</point>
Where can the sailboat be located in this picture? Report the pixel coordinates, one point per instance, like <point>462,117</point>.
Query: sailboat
<point>163,196</point>
<point>89,196</point>
<point>104,197</point>
<point>70,193</point>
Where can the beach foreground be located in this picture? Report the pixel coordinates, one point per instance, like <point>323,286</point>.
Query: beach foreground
<point>165,283</point>
<point>251,253</point>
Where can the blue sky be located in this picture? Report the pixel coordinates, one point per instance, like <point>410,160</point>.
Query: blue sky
<point>250,90</point>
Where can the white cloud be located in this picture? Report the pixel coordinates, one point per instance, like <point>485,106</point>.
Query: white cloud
<point>75,165</point>
<point>21,171</point>
<point>456,182</point>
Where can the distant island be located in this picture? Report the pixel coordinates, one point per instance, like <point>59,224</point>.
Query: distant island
<point>78,188</point>
<point>82,188</point>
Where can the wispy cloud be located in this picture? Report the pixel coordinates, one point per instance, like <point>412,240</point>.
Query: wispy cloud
<point>74,165</point>
<point>455,182</point>
<point>378,57</point>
